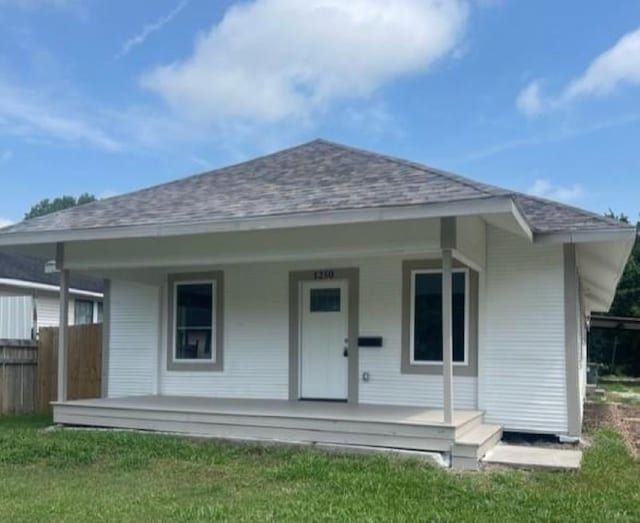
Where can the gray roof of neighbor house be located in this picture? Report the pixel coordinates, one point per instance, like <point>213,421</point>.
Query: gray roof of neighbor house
<point>31,269</point>
<point>313,177</point>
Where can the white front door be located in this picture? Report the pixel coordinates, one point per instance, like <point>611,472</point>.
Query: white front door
<point>323,340</point>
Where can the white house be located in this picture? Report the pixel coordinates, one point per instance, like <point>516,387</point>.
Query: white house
<point>29,297</point>
<point>304,295</point>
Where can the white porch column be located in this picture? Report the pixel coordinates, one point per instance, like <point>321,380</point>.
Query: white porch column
<point>63,323</point>
<point>448,242</point>
<point>447,334</point>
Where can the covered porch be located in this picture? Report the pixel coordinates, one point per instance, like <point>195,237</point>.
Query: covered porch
<point>466,438</point>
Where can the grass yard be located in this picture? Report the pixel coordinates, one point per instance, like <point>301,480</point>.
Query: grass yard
<point>121,476</point>
<point>622,390</point>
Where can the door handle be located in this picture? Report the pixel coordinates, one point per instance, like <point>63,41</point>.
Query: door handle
<point>345,352</point>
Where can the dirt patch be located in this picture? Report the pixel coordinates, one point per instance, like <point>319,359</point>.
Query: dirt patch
<point>631,424</point>
<point>624,418</point>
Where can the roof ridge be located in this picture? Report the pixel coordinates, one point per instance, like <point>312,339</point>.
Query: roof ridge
<point>478,186</point>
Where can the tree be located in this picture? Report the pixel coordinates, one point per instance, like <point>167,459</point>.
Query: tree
<point>627,300</point>
<point>48,206</point>
<point>603,343</point>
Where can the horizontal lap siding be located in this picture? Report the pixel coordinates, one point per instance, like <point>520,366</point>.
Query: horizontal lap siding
<point>256,339</point>
<point>133,356</point>
<point>522,353</point>
<point>16,317</point>
<point>380,315</point>
<point>48,310</point>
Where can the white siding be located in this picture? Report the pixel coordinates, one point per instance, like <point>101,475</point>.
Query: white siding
<point>133,338</point>
<point>522,379</point>
<point>48,310</point>
<point>380,314</point>
<point>16,317</point>
<point>521,353</point>
<point>257,339</point>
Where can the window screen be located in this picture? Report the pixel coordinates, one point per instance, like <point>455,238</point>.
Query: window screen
<point>325,300</point>
<point>427,320</point>
<point>194,310</point>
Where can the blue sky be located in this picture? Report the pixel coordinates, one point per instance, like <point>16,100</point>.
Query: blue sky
<point>106,96</point>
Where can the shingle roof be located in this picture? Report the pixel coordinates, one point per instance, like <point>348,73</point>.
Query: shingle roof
<point>31,269</point>
<point>316,176</point>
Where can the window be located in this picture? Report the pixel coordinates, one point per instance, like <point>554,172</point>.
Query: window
<point>324,300</point>
<point>100,312</point>
<point>427,316</point>
<point>194,321</point>
<point>83,312</point>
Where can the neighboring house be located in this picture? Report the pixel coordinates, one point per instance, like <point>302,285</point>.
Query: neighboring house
<point>324,272</point>
<point>25,277</point>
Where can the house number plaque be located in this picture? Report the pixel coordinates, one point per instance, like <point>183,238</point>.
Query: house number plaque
<point>323,275</point>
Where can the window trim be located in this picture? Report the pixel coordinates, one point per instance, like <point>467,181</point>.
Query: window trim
<point>215,364</point>
<point>439,363</point>
<point>470,369</point>
<point>213,328</point>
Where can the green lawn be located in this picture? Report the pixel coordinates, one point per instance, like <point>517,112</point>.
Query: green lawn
<point>120,476</point>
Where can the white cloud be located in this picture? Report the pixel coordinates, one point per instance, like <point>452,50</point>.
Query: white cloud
<point>612,69</point>
<point>615,67</point>
<point>43,116</point>
<point>546,189</point>
<point>148,29</point>
<point>269,60</point>
<point>5,223</point>
<point>529,101</point>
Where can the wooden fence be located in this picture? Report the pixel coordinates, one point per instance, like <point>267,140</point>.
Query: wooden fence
<point>29,371</point>
<point>84,364</point>
<point>18,376</point>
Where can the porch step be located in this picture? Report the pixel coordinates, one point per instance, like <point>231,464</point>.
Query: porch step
<point>469,448</point>
<point>469,425</point>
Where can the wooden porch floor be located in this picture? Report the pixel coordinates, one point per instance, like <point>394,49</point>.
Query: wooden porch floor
<point>311,422</point>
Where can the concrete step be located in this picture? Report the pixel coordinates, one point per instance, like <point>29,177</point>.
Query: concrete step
<point>530,457</point>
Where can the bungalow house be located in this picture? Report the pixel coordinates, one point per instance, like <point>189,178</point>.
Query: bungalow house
<point>29,297</point>
<point>332,295</point>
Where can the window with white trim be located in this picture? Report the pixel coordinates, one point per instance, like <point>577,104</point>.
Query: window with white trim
<point>426,316</point>
<point>194,313</point>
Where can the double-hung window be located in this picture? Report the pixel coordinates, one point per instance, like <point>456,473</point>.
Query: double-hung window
<point>426,316</point>
<point>195,322</point>
<point>422,318</point>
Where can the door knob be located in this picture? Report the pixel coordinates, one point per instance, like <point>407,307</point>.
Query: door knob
<point>345,352</point>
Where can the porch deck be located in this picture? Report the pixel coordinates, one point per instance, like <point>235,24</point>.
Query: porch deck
<point>310,422</point>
